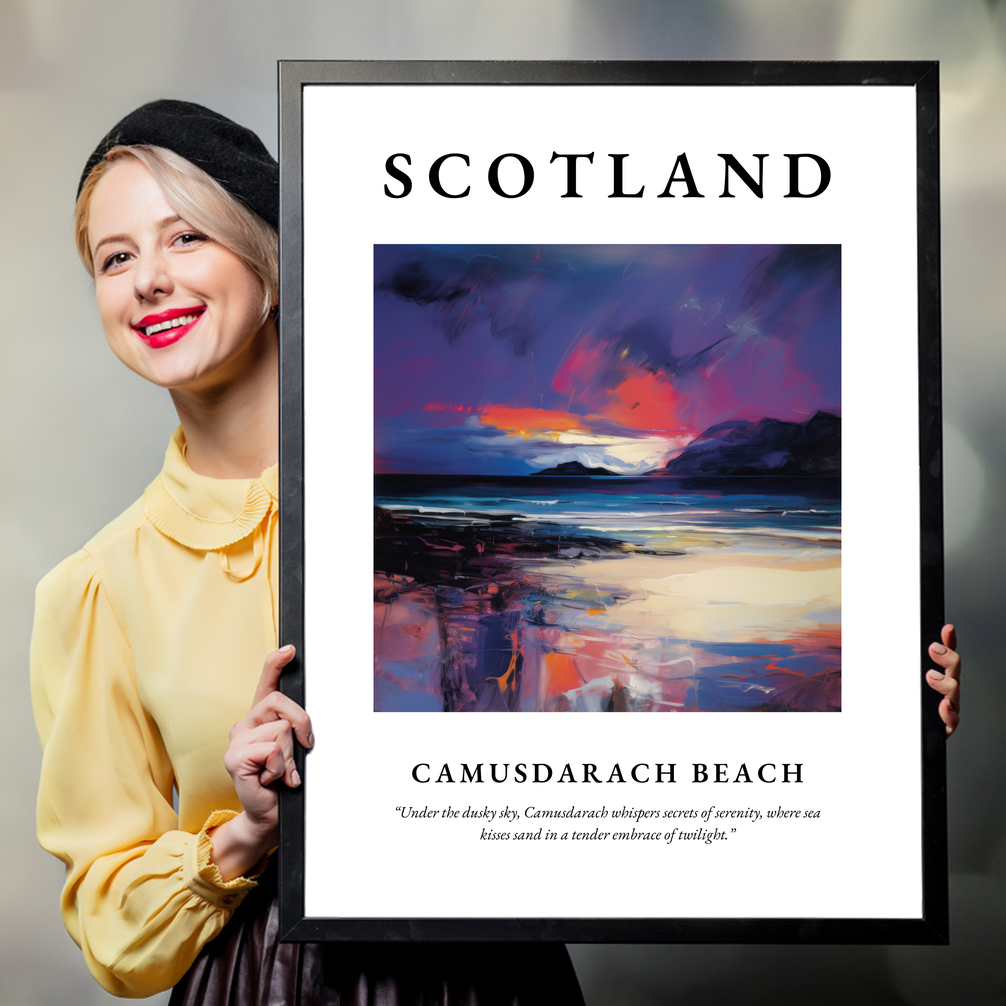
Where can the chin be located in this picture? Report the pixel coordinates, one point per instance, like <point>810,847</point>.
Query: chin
<point>170,375</point>
<point>191,364</point>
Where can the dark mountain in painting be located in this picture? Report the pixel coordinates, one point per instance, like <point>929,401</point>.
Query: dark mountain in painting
<point>575,468</point>
<point>768,447</point>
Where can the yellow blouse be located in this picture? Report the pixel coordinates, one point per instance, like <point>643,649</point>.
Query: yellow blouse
<point>147,647</point>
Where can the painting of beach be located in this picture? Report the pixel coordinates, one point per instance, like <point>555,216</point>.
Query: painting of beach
<point>607,478</point>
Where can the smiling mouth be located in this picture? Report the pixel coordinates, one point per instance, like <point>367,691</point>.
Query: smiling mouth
<point>167,327</point>
<point>185,319</point>
<point>165,324</point>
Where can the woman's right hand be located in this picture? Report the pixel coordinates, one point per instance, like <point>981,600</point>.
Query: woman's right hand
<point>260,753</point>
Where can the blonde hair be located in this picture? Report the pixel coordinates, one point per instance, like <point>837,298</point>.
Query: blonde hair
<point>199,200</point>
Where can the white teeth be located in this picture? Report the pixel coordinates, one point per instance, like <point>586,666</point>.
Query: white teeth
<point>173,323</point>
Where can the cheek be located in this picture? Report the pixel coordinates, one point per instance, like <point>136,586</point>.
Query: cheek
<point>237,290</point>
<point>115,309</point>
<point>246,302</point>
<point>113,313</point>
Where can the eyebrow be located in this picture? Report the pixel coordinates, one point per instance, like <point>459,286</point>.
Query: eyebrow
<point>160,225</point>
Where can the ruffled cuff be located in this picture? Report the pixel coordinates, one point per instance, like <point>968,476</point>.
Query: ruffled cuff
<point>203,878</point>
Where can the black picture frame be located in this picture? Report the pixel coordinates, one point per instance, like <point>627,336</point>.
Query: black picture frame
<point>931,927</point>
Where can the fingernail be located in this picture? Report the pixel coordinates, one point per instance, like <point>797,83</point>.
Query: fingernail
<point>938,648</point>
<point>936,675</point>
<point>295,777</point>
<point>310,740</point>
<point>287,649</point>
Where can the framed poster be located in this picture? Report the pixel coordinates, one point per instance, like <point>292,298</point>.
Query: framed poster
<point>642,364</point>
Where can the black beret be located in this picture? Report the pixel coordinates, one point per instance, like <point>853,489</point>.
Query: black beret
<point>231,154</point>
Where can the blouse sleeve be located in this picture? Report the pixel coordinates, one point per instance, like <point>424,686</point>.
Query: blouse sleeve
<point>141,898</point>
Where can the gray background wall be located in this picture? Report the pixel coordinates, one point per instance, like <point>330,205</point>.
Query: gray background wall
<point>82,436</point>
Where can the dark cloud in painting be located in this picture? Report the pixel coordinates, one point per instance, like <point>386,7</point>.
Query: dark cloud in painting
<point>801,264</point>
<point>509,297</point>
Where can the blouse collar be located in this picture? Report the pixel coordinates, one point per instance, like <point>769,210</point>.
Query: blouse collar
<point>204,513</point>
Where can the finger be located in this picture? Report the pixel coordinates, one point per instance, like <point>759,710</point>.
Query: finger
<point>261,760</point>
<point>279,733</point>
<point>949,708</point>
<point>949,636</point>
<point>276,706</point>
<point>945,685</point>
<point>274,765</point>
<point>271,670</point>
<point>950,716</point>
<point>948,659</point>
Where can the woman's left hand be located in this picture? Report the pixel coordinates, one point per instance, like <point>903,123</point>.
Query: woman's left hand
<point>948,681</point>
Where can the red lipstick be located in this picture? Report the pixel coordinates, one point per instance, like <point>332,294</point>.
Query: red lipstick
<point>165,333</point>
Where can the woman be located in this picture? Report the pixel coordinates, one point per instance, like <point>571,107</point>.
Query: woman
<point>149,642</point>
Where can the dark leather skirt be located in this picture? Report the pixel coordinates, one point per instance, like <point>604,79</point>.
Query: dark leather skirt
<point>246,965</point>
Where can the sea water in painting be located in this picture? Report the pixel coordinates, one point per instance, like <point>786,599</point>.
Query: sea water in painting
<point>607,478</point>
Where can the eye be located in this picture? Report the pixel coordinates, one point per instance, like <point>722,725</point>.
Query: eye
<point>189,239</point>
<point>115,261</point>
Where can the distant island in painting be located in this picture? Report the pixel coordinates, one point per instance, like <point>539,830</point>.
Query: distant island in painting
<point>607,478</point>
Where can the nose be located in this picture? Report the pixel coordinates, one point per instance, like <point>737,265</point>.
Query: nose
<point>152,276</point>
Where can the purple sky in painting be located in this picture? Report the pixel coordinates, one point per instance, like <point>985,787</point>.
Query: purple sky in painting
<point>508,359</point>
